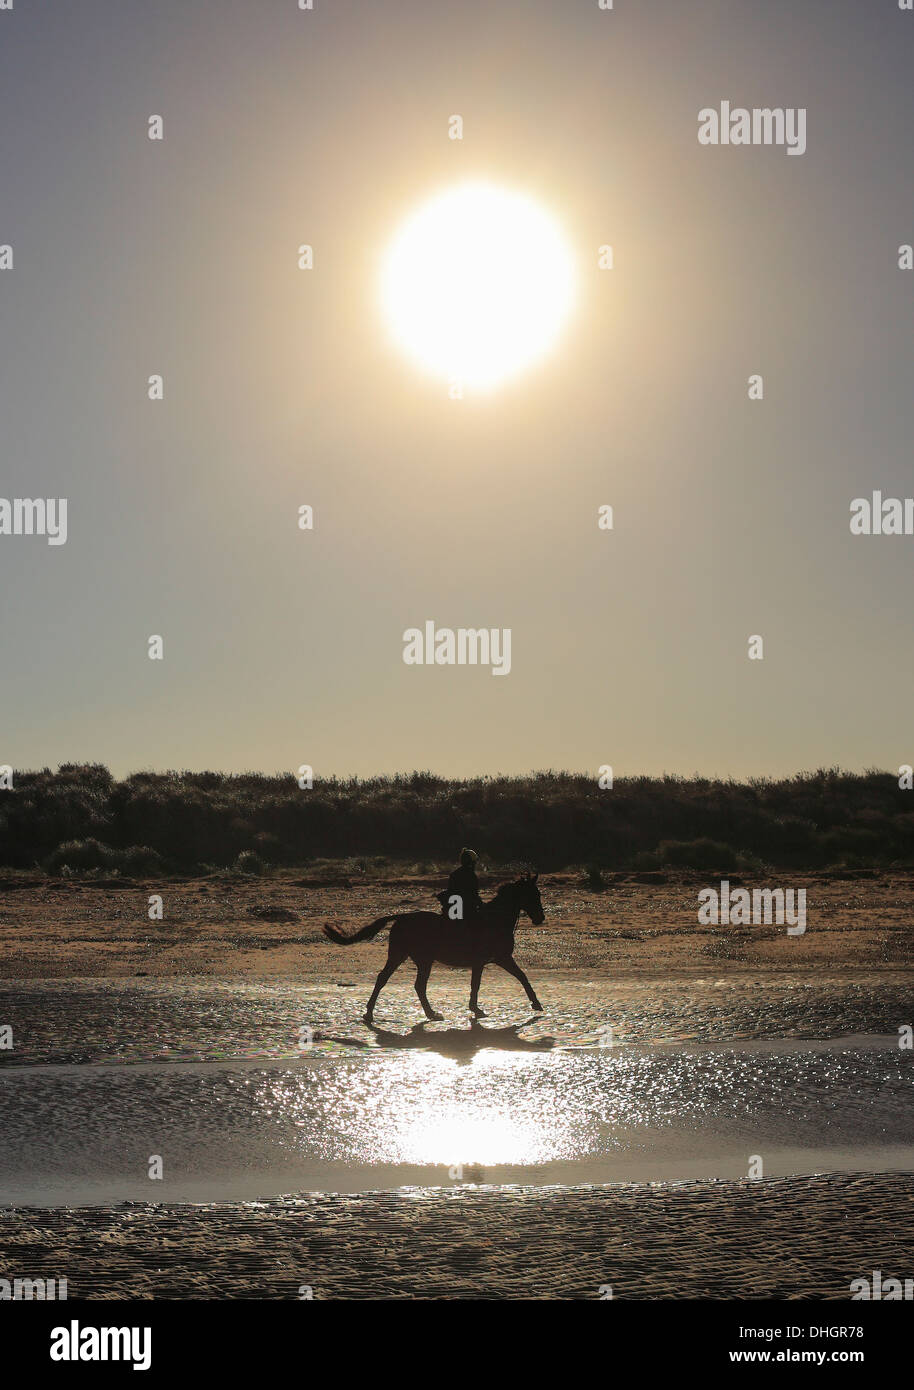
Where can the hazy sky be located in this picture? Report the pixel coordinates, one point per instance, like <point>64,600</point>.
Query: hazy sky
<point>179,257</point>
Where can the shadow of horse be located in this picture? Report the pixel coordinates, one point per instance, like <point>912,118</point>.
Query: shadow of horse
<point>459,1044</point>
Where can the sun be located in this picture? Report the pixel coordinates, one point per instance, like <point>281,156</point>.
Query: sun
<point>477,284</point>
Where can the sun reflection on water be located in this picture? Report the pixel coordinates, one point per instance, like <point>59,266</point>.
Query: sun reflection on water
<point>477,1135</point>
<point>480,1114</point>
<point>503,1109</point>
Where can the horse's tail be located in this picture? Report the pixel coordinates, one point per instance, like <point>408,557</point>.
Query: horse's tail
<point>365,934</point>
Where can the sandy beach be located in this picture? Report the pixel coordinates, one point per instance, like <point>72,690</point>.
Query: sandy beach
<point>667,1052</point>
<point>640,925</point>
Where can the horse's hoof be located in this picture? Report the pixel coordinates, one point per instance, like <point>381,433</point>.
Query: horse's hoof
<point>479,1013</point>
<point>537,1007</point>
<point>435,1018</point>
<point>369,1018</point>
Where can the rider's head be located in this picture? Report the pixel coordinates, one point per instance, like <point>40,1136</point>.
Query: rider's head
<point>467,858</point>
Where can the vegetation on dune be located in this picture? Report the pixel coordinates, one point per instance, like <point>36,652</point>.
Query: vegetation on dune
<point>80,819</point>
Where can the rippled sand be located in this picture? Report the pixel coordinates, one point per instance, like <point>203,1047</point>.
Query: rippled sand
<point>798,1238</point>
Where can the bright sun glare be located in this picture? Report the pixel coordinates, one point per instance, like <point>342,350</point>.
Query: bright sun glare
<point>477,284</point>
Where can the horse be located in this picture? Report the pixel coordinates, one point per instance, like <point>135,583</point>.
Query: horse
<point>483,939</point>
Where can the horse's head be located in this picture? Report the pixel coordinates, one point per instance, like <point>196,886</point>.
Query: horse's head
<point>529,899</point>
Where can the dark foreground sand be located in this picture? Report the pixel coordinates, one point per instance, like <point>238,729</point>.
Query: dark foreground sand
<point>801,1238</point>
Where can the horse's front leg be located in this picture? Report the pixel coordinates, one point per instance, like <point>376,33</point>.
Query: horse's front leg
<point>475,1010</point>
<point>512,967</point>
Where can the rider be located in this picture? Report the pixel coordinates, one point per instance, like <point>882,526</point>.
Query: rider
<point>463,885</point>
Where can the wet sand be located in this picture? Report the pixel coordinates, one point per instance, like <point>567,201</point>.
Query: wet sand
<point>175,1018</point>
<point>798,1238</point>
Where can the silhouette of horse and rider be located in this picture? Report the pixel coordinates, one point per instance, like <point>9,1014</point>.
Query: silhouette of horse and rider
<point>467,933</point>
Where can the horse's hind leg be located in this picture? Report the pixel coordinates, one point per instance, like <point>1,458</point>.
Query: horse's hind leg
<point>475,980</point>
<point>514,969</point>
<point>423,970</point>
<point>384,975</point>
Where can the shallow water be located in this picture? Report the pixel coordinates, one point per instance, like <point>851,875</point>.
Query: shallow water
<point>241,1130</point>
